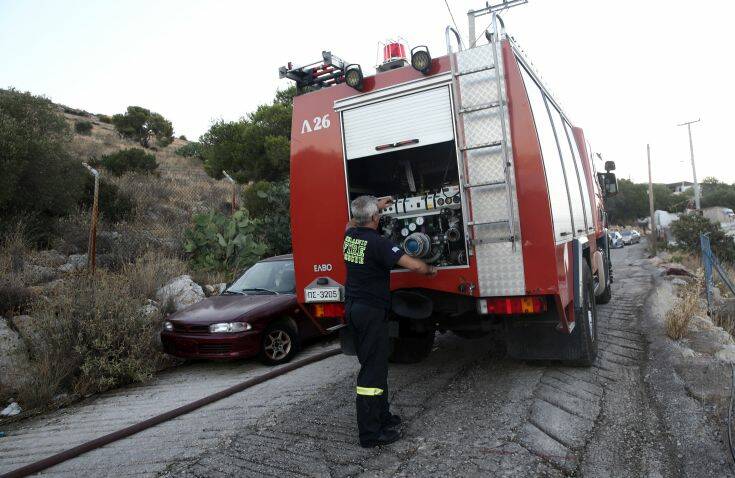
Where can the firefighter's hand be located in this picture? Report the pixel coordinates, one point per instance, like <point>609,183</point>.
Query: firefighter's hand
<point>432,271</point>
<point>384,202</point>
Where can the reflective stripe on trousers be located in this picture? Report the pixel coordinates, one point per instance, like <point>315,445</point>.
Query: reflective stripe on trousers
<point>369,391</point>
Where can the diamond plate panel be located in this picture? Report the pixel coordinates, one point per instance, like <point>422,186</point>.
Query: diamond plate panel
<point>478,88</point>
<point>500,264</point>
<point>475,58</point>
<point>485,165</point>
<point>500,269</point>
<point>482,127</point>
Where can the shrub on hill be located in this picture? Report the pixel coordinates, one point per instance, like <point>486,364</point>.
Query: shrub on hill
<point>131,159</point>
<point>104,119</point>
<point>140,124</point>
<point>688,228</point>
<point>83,127</point>
<point>269,203</point>
<point>191,150</point>
<point>39,178</point>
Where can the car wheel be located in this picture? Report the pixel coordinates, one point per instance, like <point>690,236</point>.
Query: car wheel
<point>279,344</point>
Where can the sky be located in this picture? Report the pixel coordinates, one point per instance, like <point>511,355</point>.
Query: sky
<point>626,72</point>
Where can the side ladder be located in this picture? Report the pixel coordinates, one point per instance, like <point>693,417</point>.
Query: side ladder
<point>480,108</point>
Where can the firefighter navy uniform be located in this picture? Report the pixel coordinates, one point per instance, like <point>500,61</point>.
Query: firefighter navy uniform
<point>369,257</point>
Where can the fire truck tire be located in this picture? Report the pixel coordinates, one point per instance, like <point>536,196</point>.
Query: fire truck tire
<point>582,344</point>
<point>606,296</point>
<point>411,349</point>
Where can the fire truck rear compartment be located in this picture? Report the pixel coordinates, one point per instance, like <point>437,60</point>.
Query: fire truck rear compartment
<point>426,217</point>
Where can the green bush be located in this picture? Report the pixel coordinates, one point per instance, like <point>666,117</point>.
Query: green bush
<point>104,119</point>
<point>131,159</point>
<point>114,205</point>
<point>183,137</point>
<point>140,124</point>
<point>83,127</point>
<point>223,243</point>
<point>269,203</point>
<point>254,148</point>
<point>688,228</point>
<point>38,175</point>
<point>190,150</point>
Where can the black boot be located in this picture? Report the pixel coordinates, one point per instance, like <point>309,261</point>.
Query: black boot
<point>386,437</point>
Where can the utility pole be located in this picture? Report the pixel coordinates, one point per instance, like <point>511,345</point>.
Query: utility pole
<point>652,221</point>
<point>694,169</point>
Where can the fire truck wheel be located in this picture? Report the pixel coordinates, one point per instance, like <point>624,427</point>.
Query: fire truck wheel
<point>605,297</point>
<point>411,349</point>
<point>583,340</point>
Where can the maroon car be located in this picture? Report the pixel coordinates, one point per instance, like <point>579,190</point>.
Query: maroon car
<point>256,315</point>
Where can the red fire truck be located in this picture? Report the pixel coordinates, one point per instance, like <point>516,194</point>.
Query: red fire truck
<point>492,183</point>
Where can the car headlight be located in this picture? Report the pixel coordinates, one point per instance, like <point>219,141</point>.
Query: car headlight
<point>227,327</point>
<point>168,326</point>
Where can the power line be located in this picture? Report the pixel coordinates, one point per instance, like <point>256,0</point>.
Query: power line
<point>451,15</point>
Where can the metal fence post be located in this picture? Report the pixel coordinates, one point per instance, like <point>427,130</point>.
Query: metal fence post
<point>707,262</point>
<point>92,245</point>
<point>234,191</point>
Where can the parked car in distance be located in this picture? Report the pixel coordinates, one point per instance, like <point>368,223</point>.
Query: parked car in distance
<point>630,238</point>
<point>256,315</point>
<point>616,240</point>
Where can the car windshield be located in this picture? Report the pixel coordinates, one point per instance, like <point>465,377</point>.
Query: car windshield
<point>269,277</point>
<point>627,233</point>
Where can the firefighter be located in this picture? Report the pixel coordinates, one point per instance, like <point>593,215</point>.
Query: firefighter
<point>369,257</point>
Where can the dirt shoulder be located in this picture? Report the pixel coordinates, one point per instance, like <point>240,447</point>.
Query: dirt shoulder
<point>688,385</point>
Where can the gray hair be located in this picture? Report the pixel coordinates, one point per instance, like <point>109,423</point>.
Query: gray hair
<point>363,209</point>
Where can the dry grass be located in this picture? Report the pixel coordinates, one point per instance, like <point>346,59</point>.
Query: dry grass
<point>151,272</point>
<point>15,296</point>
<point>687,306</point>
<point>91,334</point>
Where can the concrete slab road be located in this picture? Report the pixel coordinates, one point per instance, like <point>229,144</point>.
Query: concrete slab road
<point>466,411</point>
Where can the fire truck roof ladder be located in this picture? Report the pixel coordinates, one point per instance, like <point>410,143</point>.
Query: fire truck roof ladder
<point>481,111</point>
<point>327,72</point>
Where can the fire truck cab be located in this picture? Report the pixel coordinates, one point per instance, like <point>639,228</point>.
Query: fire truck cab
<point>492,183</point>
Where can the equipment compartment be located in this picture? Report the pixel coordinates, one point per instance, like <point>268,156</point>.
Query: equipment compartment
<point>426,218</point>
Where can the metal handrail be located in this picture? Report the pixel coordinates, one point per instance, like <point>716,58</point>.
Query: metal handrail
<point>449,39</point>
<point>494,39</point>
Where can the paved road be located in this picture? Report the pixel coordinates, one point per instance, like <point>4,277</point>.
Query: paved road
<point>466,411</point>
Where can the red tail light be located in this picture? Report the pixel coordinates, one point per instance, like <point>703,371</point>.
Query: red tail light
<point>330,309</point>
<point>512,305</point>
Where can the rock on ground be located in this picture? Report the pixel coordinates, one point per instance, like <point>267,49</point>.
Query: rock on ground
<point>38,274</point>
<point>11,410</point>
<point>75,262</point>
<point>181,291</point>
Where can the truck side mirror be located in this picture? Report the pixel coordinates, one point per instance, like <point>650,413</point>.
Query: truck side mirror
<point>608,183</point>
<point>609,166</point>
<point>611,185</point>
